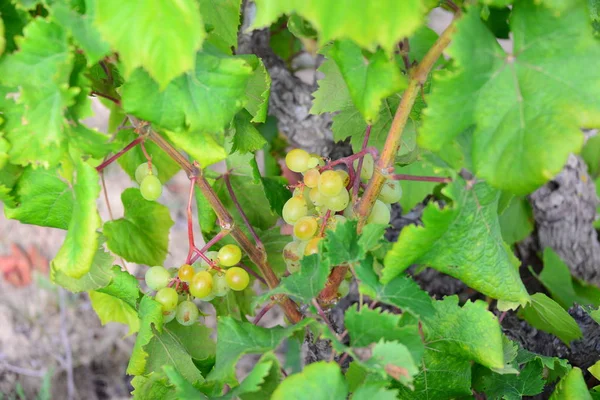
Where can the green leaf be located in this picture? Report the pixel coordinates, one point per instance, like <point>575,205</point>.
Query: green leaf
<point>258,90</point>
<point>260,382</point>
<point>235,304</point>
<point>206,216</point>
<point>369,79</point>
<point>205,148</point>
<point>14,21</point>
<point>516,222</point>
<point>401,291</point>
<point>2,40</point>
<point>274,243</point>
<point>370,392</point>
<point>98,276</point>
<point>123,286</point>
<point>113,309</point>
<point>246,138</point>
<point>183,389</point>
<point>333,20</point>
<point>195,339</point>
<point>318,381</point>
<point>464,241</point>
<point>333,94</point>
<point>595,370</point>
<point>133,158</point>
<point>41,68</point>
<point>203,100</point>
<point>554,367</point>
<point>238,338</point>
<point>307,283</point>
<point>277,193</point>
<point>572,386</point>
<point>155,386</point>
<point>150,317</point>
<point>82,30</point>
<point>90,141</point>
<point>528,382</point>
<point>166,49</point>
<point>518,102</point>
<point>591,155</point>
<point>43,198</point>
<point>556,277</point>
<point>344,245</point>
<point>414,192</point>
<point>395,360</point>
<point>142,235</point>
<point>81,243</point>
<point>223,18</point>
<point>545,314</point>
<point>470,332</point>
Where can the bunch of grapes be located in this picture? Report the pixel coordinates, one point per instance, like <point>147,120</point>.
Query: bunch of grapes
<point>204,281</point>
<point>322,200</point>
<point>146,175</point>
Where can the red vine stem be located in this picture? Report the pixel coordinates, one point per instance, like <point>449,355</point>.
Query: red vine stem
<point>209,244</point>
<point>113,99</point>
<point>348,160</point>
<point>109,161</point>
<point>148,157</point>
<point>257,240</point>
<point>190,225</point>
<point>263,312</point>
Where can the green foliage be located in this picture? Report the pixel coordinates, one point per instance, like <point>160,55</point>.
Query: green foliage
<point>318,381</point>
<point>572,386</point>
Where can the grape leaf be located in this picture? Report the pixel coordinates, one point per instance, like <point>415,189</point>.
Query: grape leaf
<point>206,216</point>
<point>401,291</point>
<point>195,339</point>
<point>318,381</point>
<point>124,286</point>
<point>518,102</point>
<point>370,392</point>
<point>516,222</point>
<point>265,372</point>
<point>82,30</point>
<point>112,309</point>
<point>98,276</point>
<point>277,193</point>
<point>150,317</point>
<point>2,40</point>
<point>204,100</point>
<point>414,192</point>
<point>258,90</point>
<point>591,155</point>
<point>528,382</point>
<point>274,243</point>
<point>554,367</point>
<point>572,386</point>
<point>223,18</point>
<point>133,158</point>
<point>183,389</point>
<point>345,245</point>
<point>369,79</point>
<point>545,314</point>
<point>246,138</point>
<point>464,241</point>
<point>235,304</point>
<point>333,94</point>
<point>81,243</point>
<point>142,235</point>
<point>154,386</point>
<point>14,20</point>
<point>470,332</point>
<point>41,69</point>
<point>393,359</point>
<point>43,199</point>
<point>333,20</point>
<point>205,148</point>
<point>89,141</point>
<point>238,338</point>
<point>166,49</point>
<point>556,277</point>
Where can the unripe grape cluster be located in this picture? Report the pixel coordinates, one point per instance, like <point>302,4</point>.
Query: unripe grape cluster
<point>146,175</point>
<point>323,198</point>
<point>176,288</point>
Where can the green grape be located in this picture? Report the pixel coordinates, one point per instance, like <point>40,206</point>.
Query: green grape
<point>334,221</point>
<point>292,256</point>
<point>157,278</point>
<point>143,171</point>
<point>169,316</point>
<point>229,255</point>
<point>391,192</point>
<point>338,202</point>
<point>380,214</point>
<point>311,178</point>
<point>316,197</point>
<point>211,255</point>
<point>151,188</point>
<point>186,273</point>
<point>294,209</point>
<point>330,183</point>
<point>315,160</point>
<point>305,228</point>
<point>187,313</point>
<point>344,175</point>
<point>209,297</point>
<point>312,247</point>
<point>366,172</point>
<point>168,298</point>
<point>201,284</point>
<point>349,211</point>
<point>220,286</point>
<point>297,160</point>
<point>344,288</point>
<point>237,278</point>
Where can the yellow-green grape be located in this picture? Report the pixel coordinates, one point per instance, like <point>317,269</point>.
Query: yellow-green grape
<point>169,316</point>
<point>305,228</point>
<point>294,209</point>
<point>229,255</point>
<point>391,192</point>
<point>344,288</point>
<point>311,178</point>
<point>143,171</point>
<point>237,278</point>
<point>292,256</point>
<point>330,183</point>
<point>344,175</point>
<point>349,211</point>
<point>167,297</point>
<point>220,286</point>
<point>315,160</point>
<point>312,247</point>
<point>316,197</point>
<point>338,202</point>
<point>187,313</point>
<point>380,214</point>
<point>334,221</point>
<point>211,255</point>
<point>151,188</point>
<point>201,284</point>
<point>186,273</point>
<point>157,278</point>
<point>366,172</point>
<point>297,160</point>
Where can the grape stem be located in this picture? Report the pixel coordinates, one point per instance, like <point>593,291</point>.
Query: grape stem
<point>324,224</point>
<point>222,233</point>
<point>130,146</point>
<point>147,156</point>
<point>190,225</point>
<point>392,145</point>
<point>350,159</point>
<point>263,312</point>
<point>251,272</point>
<point>258,257</point>
<point>257,240</point>
<point>360,164</point>
<point>402,177</point>
<point>113,99</point>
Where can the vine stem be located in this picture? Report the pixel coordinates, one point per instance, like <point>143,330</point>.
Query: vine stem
<point>226,221</point>
<point>360,164</point>
<point>190,225</point>
<point>263,312</point>
<point>392,145</point>
<point>130,146</point>
<point>257,240</point>
<point>402,177</point>
<point>350,159</point>
<point>209,244</point>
